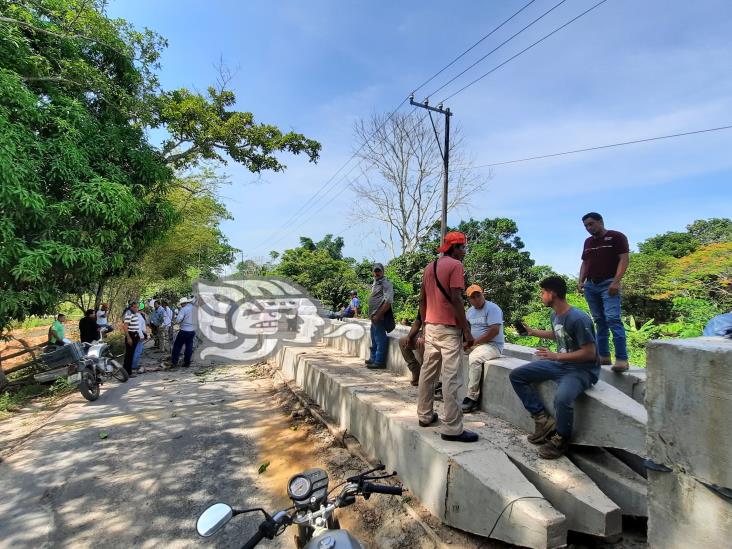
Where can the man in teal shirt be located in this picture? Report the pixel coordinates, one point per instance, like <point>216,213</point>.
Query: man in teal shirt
<point>57,332</point>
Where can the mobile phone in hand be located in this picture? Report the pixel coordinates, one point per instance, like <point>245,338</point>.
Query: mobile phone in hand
<point>521,328</point>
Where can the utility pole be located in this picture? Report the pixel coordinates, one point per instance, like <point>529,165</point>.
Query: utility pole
<point>445,154</point>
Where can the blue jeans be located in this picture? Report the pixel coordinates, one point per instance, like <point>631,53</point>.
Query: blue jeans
<point>605,309</point>
<point>183,338</point>
<point>379,342</point>
<point>137,355</point>
<point>572,380</point>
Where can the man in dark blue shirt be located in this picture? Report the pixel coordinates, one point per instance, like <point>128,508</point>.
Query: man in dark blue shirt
<point>575,367</point>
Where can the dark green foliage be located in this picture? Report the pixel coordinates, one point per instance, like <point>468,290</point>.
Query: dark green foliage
<point>670,244</point>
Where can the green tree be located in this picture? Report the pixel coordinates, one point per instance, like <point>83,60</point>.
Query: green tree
<point>710,231</point>
<point>671,244</point>
<point>313,266</point>
<point>83,191</point>
<point>705,274</point>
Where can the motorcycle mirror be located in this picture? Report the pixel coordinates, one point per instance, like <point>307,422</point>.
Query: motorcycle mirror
<point>213,519</point>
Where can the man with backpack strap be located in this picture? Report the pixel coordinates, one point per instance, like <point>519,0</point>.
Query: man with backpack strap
<point>441,307</point>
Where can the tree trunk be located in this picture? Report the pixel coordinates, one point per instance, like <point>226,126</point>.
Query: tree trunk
<point>100,293</point>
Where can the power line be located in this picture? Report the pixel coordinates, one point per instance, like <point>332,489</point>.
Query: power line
<point>499,46</point>
<point>597,148</point>
<point>451,63</point>
<point>494,69</point>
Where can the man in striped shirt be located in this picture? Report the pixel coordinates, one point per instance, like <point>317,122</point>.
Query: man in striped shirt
<point>131,328</point>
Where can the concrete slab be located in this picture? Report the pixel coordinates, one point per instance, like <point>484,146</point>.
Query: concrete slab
<point>683,513</point>
<point>619,482</point>
<point>603,415</point>
<point>689,399</point>
<point>565,486</point>
<point>467,486</point>
<point>378,409</point>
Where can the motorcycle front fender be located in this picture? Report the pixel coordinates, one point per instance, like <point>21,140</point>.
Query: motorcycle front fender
<point>339,539</point>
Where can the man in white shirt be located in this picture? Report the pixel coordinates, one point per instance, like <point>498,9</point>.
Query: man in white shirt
<point>186,333</point>
<point>486,327</point>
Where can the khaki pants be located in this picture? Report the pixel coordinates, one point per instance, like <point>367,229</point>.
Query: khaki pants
<point>443,350</point>
<point>164,337</point>
<point>477,357</point>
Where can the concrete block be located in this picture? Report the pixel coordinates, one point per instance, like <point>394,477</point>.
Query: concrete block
<point>603,416</point>
<point>617,481</point>
<point>689,400</point>
<point>683,513</point>
<point>485,489</point>
<point>438,472</point>
<point>565,486</point>
<point>466,486</point>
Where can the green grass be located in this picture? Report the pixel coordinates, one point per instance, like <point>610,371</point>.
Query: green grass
<point>13,400</point>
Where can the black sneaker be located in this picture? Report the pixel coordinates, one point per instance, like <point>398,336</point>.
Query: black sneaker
<point>465,436</point>
<point>430,422</point>
<point>376,366</point>
<point>469,405</point>
<point>368,361</point>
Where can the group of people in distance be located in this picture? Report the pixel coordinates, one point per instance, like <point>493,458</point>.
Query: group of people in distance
<point>134,326</point>
<point>444,330</point>
<point>160,320</point>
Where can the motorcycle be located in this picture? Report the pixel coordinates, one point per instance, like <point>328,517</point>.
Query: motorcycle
<point>312,511</point>
<point>88,365</point>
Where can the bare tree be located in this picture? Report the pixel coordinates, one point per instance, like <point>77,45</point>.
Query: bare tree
<point>401,181</point>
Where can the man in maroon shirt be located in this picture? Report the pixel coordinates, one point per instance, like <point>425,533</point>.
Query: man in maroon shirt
<point>441,306</point>
<point>604,262</point>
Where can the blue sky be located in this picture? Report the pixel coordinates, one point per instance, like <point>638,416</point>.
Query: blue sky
<point>627,70</point>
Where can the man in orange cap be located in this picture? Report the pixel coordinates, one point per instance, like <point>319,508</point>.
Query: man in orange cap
<point>486,325</point>
<point>441,307</point>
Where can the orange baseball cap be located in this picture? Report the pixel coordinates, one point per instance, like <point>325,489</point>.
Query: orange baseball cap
<point>472,289</point>
<point>451,238</point>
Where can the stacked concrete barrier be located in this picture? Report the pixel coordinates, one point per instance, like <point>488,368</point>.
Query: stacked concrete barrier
<point>587,494</point>
<point>689,400</point>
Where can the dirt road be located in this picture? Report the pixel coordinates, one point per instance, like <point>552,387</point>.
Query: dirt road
<point>136,467</point>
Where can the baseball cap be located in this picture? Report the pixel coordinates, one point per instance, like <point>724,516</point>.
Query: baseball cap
<point>472,289</point>
<point>452,238</point>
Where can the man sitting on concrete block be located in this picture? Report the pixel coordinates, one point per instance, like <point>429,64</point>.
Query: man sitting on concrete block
<point>412,348</point>
<point>575,367</point>
<point>486,325</point>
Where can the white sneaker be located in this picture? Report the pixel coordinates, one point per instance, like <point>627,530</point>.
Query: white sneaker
<point>141,370</point>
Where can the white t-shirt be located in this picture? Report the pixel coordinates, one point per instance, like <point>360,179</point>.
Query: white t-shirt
<point>143,324</point>
<point>167,317</point>
<point>101,318</point>
<point>482,319</point>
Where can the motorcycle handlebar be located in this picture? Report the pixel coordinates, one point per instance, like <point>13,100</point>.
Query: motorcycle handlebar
<point>371,488</point>
<point>253,541</point>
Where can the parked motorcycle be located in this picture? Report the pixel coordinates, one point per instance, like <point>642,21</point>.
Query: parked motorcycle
<point>88,365</point>
<point>312,511</point>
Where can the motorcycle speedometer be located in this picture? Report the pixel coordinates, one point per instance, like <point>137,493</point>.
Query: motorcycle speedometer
<point>299,487</point>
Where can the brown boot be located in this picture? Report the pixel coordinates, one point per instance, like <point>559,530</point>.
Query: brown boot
<point>544,425</point>
<point>605,361</point>
<point>620,366</point>
<point>554,448</point>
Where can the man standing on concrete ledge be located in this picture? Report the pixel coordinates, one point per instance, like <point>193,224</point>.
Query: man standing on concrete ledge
<point>486,326</point>
<point>574,367</point>
<point>441,307</point>
<point>380,300</point>
<point>604,262</point>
